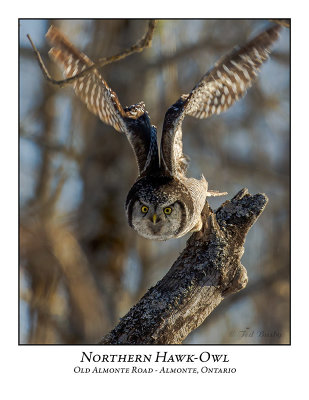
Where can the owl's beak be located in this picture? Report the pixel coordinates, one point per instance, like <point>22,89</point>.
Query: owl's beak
<point>154,218</point>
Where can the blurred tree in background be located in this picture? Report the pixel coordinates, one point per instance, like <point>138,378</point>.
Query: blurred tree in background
<point>81,266</point>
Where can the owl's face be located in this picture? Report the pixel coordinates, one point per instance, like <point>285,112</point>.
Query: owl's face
<point>158,208</point>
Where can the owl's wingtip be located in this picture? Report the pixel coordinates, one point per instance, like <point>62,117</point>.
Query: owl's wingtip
<point>52,30</point>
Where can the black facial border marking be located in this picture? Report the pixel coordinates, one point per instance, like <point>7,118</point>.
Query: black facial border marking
<point>183,217</point>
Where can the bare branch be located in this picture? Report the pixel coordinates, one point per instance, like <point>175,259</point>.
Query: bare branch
<point>207,271</point>
<point>139,46</point>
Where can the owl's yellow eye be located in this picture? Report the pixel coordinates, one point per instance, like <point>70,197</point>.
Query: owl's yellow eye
<point>167,210</point>
<point>144,209</point>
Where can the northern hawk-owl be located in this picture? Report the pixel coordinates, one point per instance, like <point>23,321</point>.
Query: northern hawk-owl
<point>164,203</point>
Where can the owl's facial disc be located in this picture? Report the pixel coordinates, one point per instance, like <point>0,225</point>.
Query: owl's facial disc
<point>156,208</point>
<point>157,221</point>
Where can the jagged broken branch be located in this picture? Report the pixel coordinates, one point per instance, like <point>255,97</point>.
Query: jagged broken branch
<point>206,272</point>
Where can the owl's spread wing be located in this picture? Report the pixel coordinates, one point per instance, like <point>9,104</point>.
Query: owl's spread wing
<point>102,101</point>
<point>218,89</point>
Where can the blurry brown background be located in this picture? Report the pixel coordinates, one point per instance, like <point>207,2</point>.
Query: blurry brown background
<point>81,266</point>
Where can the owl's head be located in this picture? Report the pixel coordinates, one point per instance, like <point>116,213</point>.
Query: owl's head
<point>159,207</point>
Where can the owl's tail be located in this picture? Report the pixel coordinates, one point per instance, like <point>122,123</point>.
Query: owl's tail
<point>214,193</point>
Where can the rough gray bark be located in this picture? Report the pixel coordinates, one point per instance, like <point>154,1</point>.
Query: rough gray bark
<point>206,272</point>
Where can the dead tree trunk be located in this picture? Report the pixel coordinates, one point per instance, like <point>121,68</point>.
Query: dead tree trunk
<point>206,272</point>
